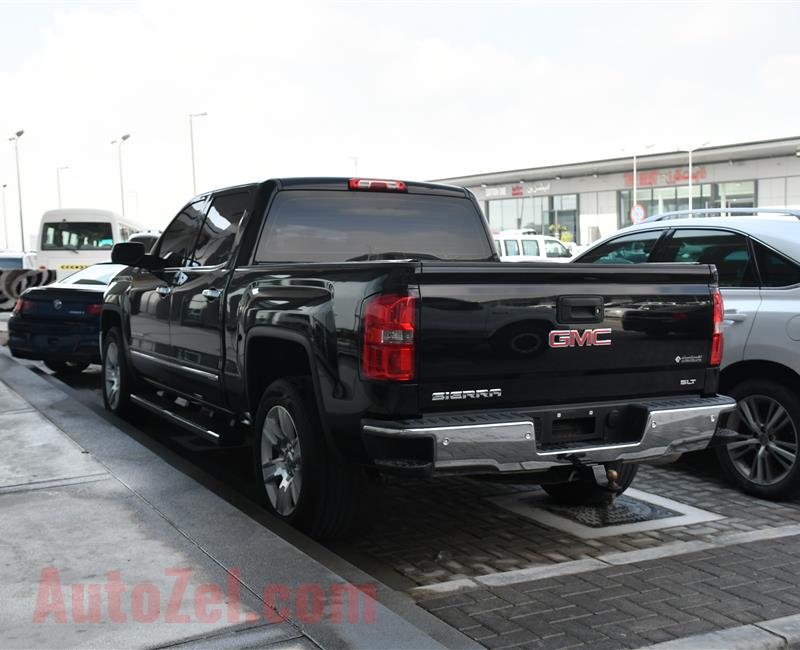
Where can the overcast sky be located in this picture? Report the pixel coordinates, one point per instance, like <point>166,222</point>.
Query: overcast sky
<point>415,90</point>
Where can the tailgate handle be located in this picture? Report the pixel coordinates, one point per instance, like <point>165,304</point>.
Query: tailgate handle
<point>580,309</point>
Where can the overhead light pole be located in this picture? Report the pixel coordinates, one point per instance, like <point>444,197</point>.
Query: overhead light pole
<point>5,218</point>
<point>119,154</point>
<point>15,139</point>
<point>691,151</point>
<point>636,174</point>
<point>191,144</point>
<point>58,181</point>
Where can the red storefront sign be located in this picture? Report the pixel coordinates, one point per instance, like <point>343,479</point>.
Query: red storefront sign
<point>678,176</point>
<point>516,190</point>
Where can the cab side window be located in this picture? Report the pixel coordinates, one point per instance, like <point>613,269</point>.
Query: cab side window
<point>215,242</point>
<point>775,269</point>
<point>512,247</point>
<point>629,249</point>
<point>177,242</point>
<point>728,251</point>
<point>555,249</point>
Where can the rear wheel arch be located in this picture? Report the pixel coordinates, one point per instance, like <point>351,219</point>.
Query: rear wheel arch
<point>269,356</point>
<point>741,371</point>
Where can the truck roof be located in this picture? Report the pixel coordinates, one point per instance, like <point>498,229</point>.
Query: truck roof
<point>341,183</point>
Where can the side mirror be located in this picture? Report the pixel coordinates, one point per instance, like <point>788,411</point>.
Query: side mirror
<point>128,253</point>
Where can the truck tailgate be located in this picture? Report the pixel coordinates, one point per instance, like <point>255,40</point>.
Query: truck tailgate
<point>504,335</point>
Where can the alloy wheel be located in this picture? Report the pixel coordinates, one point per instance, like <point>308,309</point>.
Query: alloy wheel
<point>766,450</point>
<point>112,374</point>
<point>281,461</point>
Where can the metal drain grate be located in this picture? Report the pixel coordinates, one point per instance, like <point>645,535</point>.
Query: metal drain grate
<point>625,511</point>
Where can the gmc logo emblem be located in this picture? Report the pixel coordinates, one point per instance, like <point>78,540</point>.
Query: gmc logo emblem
<point>572,338</point>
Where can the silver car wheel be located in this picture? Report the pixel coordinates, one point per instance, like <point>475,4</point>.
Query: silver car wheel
<point>281,461</point>
<point>112,374</point>
<point>766,451</point>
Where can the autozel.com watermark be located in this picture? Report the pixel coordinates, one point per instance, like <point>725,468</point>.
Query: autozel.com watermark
<point>183,601</point>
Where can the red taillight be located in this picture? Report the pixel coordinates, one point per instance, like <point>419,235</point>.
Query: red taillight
<point>717,340</point>
<point>23,306</point>
<point>376,185</point>
<point>388,351</point>
<point>94,309</point>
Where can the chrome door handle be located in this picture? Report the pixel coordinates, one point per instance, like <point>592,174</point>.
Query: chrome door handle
<point>212,294</point>
<point>163,290</point>
<point>735,317</point>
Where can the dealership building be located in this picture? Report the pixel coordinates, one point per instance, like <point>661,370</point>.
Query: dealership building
<point>588,200</point>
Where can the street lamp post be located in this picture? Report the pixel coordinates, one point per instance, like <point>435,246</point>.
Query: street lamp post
<point>119,154</point>
<point>58,182</point>
<point>191,144</point>
<point>636,175</point>
<point>5,218</point>
<point>355,164</point>
<point>691,151</point>
<point>15,139</point>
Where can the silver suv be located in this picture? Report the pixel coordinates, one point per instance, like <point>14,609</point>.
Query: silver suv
<point>757,255</point>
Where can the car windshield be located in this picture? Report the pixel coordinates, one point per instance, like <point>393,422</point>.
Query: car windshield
<point>77,235</point>
<point>97,274</point>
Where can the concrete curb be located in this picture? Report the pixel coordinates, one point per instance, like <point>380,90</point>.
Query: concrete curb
<point>766,635</point>
<point>210,523</point>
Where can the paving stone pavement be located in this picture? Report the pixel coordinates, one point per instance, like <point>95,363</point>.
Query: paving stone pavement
<point>634,605</point>
<point>447,529</point>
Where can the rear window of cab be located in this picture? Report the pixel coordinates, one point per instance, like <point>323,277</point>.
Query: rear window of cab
<point>335,226</point>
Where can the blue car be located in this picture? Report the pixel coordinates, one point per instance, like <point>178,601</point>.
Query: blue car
<point>60,323</point>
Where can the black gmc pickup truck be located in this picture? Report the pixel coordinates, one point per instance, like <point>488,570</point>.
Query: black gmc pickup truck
<point>354,327</point>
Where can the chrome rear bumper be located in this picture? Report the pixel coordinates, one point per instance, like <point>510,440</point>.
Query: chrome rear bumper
<point>510,442</point>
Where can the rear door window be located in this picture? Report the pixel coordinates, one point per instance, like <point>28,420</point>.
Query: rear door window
<point>77,235</point>
<point>775,269</point>
<point>348,226</point>
<point>634,248</point>
<point>727,250</point>
<point>530,247</point>
<point>512,247</point>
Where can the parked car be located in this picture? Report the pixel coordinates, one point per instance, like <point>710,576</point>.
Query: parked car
<point>757,256</point>
<point>60,323</point>
<point>527,246</point>
<point>314,315</point>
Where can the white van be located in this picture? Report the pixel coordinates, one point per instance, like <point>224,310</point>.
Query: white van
<point>71,239</point>
<point>527,246</point>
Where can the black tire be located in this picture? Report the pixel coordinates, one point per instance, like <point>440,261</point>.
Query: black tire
<point>117,401</point>
<point>67,367</point>
<point>781,466</point>
<point>325,502</point>
<point>587,492</point>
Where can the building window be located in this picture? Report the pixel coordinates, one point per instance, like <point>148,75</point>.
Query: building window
<point>556,215</point>
<point>657,200</point>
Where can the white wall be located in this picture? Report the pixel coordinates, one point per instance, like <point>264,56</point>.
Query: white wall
<point>793,192</point>
<point>771,193</point>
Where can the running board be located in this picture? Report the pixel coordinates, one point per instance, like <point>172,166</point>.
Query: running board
<point>177,419</point>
